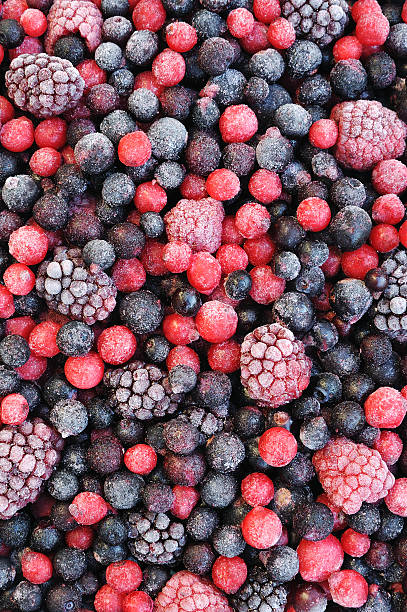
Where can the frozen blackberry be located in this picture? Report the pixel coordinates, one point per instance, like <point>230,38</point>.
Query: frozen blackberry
<point>274,152</point>
<point>350,228</point>
<point>19,193</point>
<point>239,157</point>
<point>154,538</point>
<point>141,391</point>
<point>143,104</point>
<point>94,153</point>
<point>294,310</point>
<point>63,485</point>
<point>303,58</point>
<point>313,521</point>
<point>267,64</point>
<point>321,21</point>
<point>14,351</point>
<point>381,70</point>
<point>348,79</point>
<point>206,421</point>
<point>123,489</point>
<point>201,523</point>
<point>61,82</point>
<point>69,417</point>
<point>259,593</point>
<point>292,120</point>
<point>170,175</point>
<point>391,305</point>
<point>141,311</point>
<point>75,339</point>
<point>168,138</point>
<point>68,286</point>
<point>142,47</point>
<point>348,192</point>
<point>218,490</point>
<point>225,452</point>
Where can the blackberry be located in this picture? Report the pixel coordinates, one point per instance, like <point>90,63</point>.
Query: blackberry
<point>208,422</point>
<point>69,287</point>
<point>259,593</point>
<point>29,76</point>
<point>141,391</point>
<point>321,21</point>
<point>155,538</point>
<point>390,312</point>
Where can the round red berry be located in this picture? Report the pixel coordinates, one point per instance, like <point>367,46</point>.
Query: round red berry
<point>51,133</point>
<point>80,538</point>
<point>152,258</point>
<point>138,601</point>
<point>385,407</point>
<point>252,220</point>
<point>124,576</point>
<point>108,600</point>
<point>185,499</point>
<point>19,279</point>
<point>183,355</point>
<point>178,329</point>
<point>149,15</point>
<point>181,36</point>
<point>216,321</point>
<point>193,187</point>
<point>347,47</point>
<point>323,133</point>
<point>231,257</point>
<point>257,489</point>
<point>260,250</point>
<point>314,214</point>
<point>168,68</point>
<point>34,22</point>
<point>134,149</point>
<point>33,369</point>
<point>240,22</point>
<point>364,7</point>
<point>35,567</point>
<point>150,197</point>
<point>403,233</point>
<point>28,245</point>
<point>42,340</point>
<point>388,209</point>
<point>22,326</point>
<point>277,446</point>
<point>116,344</point>
<point>204,272</point>
<point>372,29</point>
<point>222,184</point>
<point>238,123</point>
<point>348,588</point>
<point>390,446</point>
<point>140,459</point>
<point>45,161</point>
<point>389,176</point>
<point>147,79</point>
<point>177,256</point>
<point>356,264</point>
<point>128,275</point>
<point>319,559</point>
<point>6,110</point>
<point>229,573</point>
<point>230,233</point>
<point>396,498</point>
<point>84,372</point>
<point>261,528</point>
<point>13,409</point>
<point>384,237</point>
<point>354,543</point>
<point>17,135</point>
<point>281,33</point>
<point>265,186</point>
<point>266,286</point>
<point>225,356</point>
<point>88,508</point>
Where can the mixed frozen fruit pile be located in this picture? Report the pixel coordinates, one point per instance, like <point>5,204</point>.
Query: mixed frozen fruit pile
<point>203,346</point>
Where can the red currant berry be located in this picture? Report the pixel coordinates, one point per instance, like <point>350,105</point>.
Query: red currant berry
<point>108,600</point>
<point>149,15</point>
<point>140,459</point>
<point>356,264</point>
<point>177,256</point>
<point>229,573</point>
<point>314,214</point>
<point>266,11</point>
<point>281,33</point>
<point>388,209</point>
<point>17,135</point>
<point>134,149</point>
<point>45,161</point>
<point>179,330</point>
<point>222,184</point>
<point>128,275</point>
<point>266,286</point>
<point>51,133</point>
<point>28,245</point>
<point>168,67</point>
<point>277,446</point>
<point>260,250</point>
<point>347,47</point>
<point>216,321</point>
<point>240,22</point>
<point>181,36</point>
<point>13,409</point>
<point>204,272</point>
<point>354,543</point>
<point>116,344</point>
<point>238,123</point>
<point>225,356</point>
<point>19,279</point>
<point>257,489</point>
<point>84,372</point>
<point>35,566</point>
<point>193,187</point>
<point>252,220</point>
<point>384,238</point>
<point>88,508</point>
<point>124,576</point>
<point>323,133</point>
<point>261,528</point>
<point>183,355</point>
<point>42,340</point>
<point>232,257</point>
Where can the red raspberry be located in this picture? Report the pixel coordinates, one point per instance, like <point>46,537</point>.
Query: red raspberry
<point>70,16</point>
<point>323,133</point>
<point>265,186</point>
<point>388,209</point>
<point>168,68</point>
<point>116,344</point>
<point>134,149</point>
<point>42,340</point>
<point>198,223</point>
<point>180,36</point>
<point>348,588</point>
<point>389,176</point>
<point>347,47</point>
<point>204,272</point>
<point>277,446</point>
<point>354,543</point>
<point>257,489</point>
<point>368,134</point>
<point>314,214</point>
<point>266,11</point>
<point>128,275</point>
<point>150,197</point>
<point>274,367</point>
<point>185,589</point>
<point>185,500</point>
<point>84,372</point>
<point>238,123</point>
<point>252,220</point>
<point>352,473</point>
<point>17,135</point>
<point>225,356</point>
<point>384,237</point>
<point>240,22</point>
<point>222,184</point>
<point>390,446</point>
<point>36,567</point>
<point>19,279</point>
<point>385,407</point>
<point>372,29</point>
<point>13,409</point>
<point>281,33</point>
<point>355,264</point>
<point>260,250</point>
<point>396,499</point>
<point>229,574</point>
<point>88,508</point>
<point>149,15</point>
<point>318,560</point>
<point>216,321</point>
<point>28,245</point>
<point>124,576</point>
<point>261,528</point>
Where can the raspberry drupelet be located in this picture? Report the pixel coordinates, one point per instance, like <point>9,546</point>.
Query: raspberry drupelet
<point>351,474</point>
<point>66,17</point>
<point>274,367</point>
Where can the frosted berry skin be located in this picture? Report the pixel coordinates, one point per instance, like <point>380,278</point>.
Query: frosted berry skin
<point>385,407</point>
<point>368,134</point>
<point>198,223</point>
<point>29,453</point>
<point>186,589</point>
<point>318,560</point>
<point>348,588</point>
<point>274,367</point>
<point>67,17</point>
<point>351,474</point>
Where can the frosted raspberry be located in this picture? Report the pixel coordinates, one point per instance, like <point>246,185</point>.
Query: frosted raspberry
<point>69,16</point>
<point>368,133</point>
<point>352,473</point>
<point>274,367</point>
<point>186,591</point>
<point>198,223</point>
